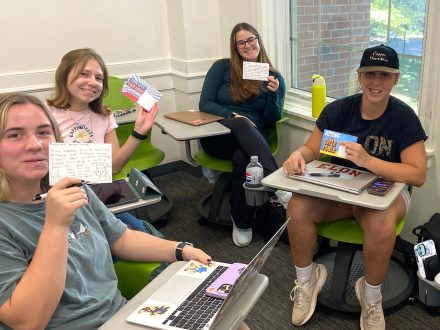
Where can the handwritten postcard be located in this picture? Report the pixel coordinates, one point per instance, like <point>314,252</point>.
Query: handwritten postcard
<point>141,92</point>
<point>255,71</point>
<point>86,161</point>
<point>330,143</point>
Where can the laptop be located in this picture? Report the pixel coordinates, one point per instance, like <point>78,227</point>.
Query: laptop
<point>193,117</point>
<point>182,302</point>
<point>335,176</point>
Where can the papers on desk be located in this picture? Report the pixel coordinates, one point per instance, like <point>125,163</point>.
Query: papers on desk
<point>90,162</point>
<point>335,176</point>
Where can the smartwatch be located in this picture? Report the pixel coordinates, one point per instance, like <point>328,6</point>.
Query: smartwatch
<point>138,136</point>
<point>232,115</point>
<point>179,250</point>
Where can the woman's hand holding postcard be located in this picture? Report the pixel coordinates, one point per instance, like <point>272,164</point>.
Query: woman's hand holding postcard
<point>331,143</point>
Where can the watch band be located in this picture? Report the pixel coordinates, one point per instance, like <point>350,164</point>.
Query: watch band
<point>179,250</point>
<point>138,136</point>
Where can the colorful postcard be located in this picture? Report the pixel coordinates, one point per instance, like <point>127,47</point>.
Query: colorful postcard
<point>141,92</point>
<point>255,71</point>
<point>330,144</point>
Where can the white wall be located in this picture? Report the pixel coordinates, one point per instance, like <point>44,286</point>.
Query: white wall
<point>172,44</point>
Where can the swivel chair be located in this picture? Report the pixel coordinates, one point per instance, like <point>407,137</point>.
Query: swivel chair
<point>146,154</point>
<point>215,207</point>
<point>345,266</point>
<point>133,276</point>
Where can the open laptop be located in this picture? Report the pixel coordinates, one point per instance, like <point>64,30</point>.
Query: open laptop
<point>182,303</point>
<point>193,117</point>
<point>335,176</point>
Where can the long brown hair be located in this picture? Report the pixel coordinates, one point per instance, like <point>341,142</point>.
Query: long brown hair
<point>242,89</point>
<point>6,102</point>
<point>76,60</point>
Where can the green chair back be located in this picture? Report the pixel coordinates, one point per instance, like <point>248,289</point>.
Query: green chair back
<point>133,276</point>
<point>146,155</point>
<point>114,99</point>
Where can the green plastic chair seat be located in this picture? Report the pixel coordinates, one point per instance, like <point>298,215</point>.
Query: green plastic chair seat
<point>225,165</point>
<point>133,276</point>
<point>204,159</point>
<point>348,230</point>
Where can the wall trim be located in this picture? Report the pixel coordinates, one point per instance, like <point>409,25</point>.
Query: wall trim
<point>164,74</point>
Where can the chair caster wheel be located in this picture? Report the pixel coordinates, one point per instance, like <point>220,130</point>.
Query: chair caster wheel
<point>411,300</point>
<point>203,222</point>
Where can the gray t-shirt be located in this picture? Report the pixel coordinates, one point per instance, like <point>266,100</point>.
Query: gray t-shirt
<point>90,295</point>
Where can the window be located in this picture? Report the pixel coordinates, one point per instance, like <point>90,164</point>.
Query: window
<point>329,36</point>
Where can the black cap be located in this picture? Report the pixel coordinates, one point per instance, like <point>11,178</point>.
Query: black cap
<point>379,58</point>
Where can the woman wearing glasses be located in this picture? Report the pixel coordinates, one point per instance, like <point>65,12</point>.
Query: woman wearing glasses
<point>249,107</point>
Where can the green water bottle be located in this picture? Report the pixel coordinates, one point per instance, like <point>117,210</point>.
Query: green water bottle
<point>318,95</point>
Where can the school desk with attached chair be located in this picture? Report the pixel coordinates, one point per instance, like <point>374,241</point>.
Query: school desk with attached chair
<point>186,133</point>
<point>345,265</point>
<point>146,154</point>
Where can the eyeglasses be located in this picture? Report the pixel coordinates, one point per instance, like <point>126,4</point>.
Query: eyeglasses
<point>250,41</point>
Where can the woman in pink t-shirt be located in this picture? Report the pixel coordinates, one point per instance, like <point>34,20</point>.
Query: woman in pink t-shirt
<point>81,82</point>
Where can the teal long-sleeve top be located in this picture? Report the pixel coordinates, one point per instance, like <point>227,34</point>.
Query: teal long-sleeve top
<point>263,110</point>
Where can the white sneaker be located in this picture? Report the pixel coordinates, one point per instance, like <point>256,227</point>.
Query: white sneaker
<point>304,296</point>
<point>241,237</point>
<point>283,197</point>
<point>372,317</point>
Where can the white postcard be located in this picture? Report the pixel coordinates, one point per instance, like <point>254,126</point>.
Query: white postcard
<point>90,162</point>
<point>255,71</point>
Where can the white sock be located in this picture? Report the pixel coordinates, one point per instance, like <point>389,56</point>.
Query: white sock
<point>372,293</point>
<point>303,274</point>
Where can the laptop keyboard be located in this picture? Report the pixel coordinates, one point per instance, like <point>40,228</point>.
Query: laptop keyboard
<point>196,311</point>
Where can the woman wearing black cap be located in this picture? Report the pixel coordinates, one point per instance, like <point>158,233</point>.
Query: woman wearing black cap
<point>390,144</point>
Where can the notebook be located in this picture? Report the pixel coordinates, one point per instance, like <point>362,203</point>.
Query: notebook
<point>182,303</point>
<point>193,117</point>
<point>335,176</point>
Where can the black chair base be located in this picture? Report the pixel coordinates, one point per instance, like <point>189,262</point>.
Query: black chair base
<point>345,266</point>
<point>215,207</point>
<point>157,212</point>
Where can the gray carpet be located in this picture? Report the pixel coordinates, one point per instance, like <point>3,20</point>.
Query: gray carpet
<point>273,310</point>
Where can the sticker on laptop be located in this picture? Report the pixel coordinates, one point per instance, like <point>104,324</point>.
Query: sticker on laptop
<point>197,269</point>
<point>151,310</point>
<point>331,143</point>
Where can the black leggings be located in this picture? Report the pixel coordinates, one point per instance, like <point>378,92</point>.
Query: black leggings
<point>243,142</point>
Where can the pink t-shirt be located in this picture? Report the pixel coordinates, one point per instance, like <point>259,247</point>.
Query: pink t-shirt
<point>83,126</point>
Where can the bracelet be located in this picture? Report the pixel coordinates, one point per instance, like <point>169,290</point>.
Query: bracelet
<point>179,250</point>
<point>138,136</point>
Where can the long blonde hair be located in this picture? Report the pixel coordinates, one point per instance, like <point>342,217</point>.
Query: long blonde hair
<point>241,89</point>
<point>6,102</point>
<point>77,59</point>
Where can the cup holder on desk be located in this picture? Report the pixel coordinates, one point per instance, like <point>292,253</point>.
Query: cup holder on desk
<point>256,196</point>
